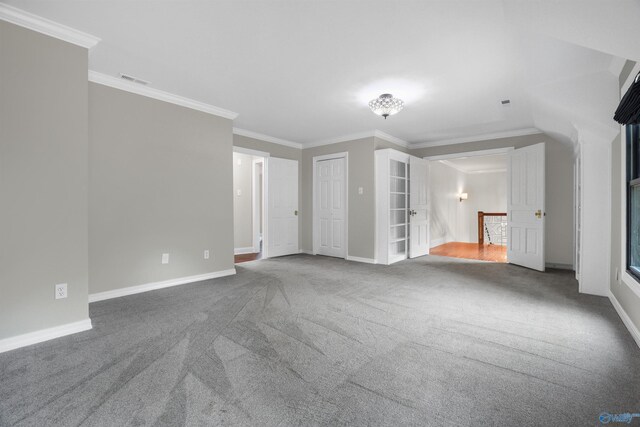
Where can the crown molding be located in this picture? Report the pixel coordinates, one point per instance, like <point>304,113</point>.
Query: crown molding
<point>451,165</point>
<point>484,137</point>
<point>483,171</point>
<point>338,139</point>
<point>359,135</point>
<point>392,139</point>
<point>266,138</point>
<point>502,170</point>
<point>45,26</point>
<point>160,95</point>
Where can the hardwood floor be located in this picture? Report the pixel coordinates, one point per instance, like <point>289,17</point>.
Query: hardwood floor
<point>495,253</point>
<point>247,257</point>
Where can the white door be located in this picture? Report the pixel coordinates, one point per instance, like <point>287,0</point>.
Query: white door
<point>418,207</point>
<point>330,205</point>
<point>282,207</point>
<point>525,207</point>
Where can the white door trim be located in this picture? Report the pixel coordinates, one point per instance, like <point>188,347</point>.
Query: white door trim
<point>250,152</point>
<point>265,197</point>
<point>343,155</point>
<point>487,152</point>
<point>255,206</point>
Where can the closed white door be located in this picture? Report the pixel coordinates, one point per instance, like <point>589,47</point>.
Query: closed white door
<point>525,207</point>
<point>330,203</point>
<point>282,207</point>
<point>418,207</point>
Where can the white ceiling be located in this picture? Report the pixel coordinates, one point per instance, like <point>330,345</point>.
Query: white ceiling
<point>479,164</point>
<point>304,71</point>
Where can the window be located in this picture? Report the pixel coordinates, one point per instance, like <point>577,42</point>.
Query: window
<point>633,200</point>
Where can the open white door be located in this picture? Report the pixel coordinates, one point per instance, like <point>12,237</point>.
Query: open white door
<point>525,207</point>
<point>282,207</point>
<point>418,207</point>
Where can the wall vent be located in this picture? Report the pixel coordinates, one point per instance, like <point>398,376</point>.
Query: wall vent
<point>133,79</point>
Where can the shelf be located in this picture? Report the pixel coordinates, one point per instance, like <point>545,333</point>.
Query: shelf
<point>398,192</point>
<point>397,177</point>
<point>391,241</point>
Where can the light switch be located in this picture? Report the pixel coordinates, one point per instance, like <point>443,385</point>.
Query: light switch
<point>239,192</point>
<point>360,190</point>
<point>165,258</point>
<point>206,254</point>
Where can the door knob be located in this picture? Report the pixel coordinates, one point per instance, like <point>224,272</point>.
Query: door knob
<point>538,213</point>
<point>295,213</point>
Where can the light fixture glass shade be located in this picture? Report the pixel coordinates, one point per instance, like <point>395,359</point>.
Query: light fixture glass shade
<point>386,105</point>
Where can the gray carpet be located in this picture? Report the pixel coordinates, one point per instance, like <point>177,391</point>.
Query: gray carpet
<point>307,340</point>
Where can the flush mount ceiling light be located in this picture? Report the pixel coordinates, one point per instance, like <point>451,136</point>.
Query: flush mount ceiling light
<point>386,105</point>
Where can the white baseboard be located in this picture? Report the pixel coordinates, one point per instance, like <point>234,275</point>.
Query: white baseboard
<point>44,335</point>
<point>633,329</point>
<point>247,250</point>
<point>360,259</point>
<point>158,285</point>
<point>559,266</point>
<point>304,251</point>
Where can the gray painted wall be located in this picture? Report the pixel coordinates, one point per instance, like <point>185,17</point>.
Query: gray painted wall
<point>160,182</point>
<point>361,207</point>
<point>243,202</point>
<point>43,180</point>
<point>559,188</point>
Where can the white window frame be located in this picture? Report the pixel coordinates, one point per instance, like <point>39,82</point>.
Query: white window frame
<point>625,277</point>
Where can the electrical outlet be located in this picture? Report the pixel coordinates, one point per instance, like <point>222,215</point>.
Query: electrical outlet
<point>360,190</point>
<point>239,192</point>
<point>206,254</point>
<point>61,290</point>
<point>165,258</point>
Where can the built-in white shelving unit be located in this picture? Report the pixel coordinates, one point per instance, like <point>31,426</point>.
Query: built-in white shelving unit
<point>392,205</point>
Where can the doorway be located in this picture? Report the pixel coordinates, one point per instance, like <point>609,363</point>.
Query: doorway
<point>330,211</point>
<point>469,205</point>
<point>524,213</point>
<point>248,204</point>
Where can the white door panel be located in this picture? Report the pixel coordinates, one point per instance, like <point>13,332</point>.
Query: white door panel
<point>525,207</point>
<point>418,207</point>
<point>282,209</point>
<point>331,207</point>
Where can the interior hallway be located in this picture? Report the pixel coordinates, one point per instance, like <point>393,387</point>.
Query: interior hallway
<point>493,253</point>
<point>239,258</point>
<point>429,341</point>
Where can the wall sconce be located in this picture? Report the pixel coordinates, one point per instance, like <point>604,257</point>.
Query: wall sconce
<point>463,196</point>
